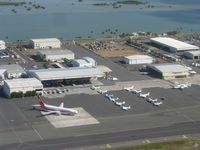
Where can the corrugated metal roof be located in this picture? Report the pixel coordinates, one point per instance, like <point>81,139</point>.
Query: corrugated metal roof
<point>194,52</point>
<point>46,40</point>
<point>12,68</point>
<point>178,45</point>
<point>66,73</point>
<point>166,68</point>
<point>138,57</point>
<point>56,52</point>
<point>80,61</point>
<point>23,83</point>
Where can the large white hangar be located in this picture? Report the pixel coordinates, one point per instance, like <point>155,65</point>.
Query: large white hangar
<point>137,59</point>
<point>168,71</point>
<point>56,55</point>
<point>66,76</point>
<point>22,85</point>
<point>45,43</point>
<point>173,45</point>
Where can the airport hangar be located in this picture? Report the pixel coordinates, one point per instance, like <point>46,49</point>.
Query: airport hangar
<point>22,85</point>
<point>194,55</point>
<point>85,62</point>
<point>45,43</point>
<point>137,59</point>
<point>172,45</point>
<point>66,76</point>
<point>56,55</point>
<point>168,71</point>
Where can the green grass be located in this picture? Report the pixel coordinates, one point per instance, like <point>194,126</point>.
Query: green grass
<point>11,3</point>
<point>173,145</point>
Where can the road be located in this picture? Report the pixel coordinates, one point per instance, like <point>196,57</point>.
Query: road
<point>130,135</point>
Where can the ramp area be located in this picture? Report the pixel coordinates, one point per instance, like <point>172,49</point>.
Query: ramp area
<point>62,121</point>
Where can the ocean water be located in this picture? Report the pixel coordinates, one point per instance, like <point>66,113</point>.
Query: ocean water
<point>72,19</point>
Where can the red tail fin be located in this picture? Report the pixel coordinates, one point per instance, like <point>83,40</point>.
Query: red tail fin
<point>41,102</point>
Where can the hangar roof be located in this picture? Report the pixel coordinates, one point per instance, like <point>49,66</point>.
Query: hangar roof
<point>193,52</point>
<point>66,73</point>
<point>45,40</point>
<point>173,43</point>
<point>138,57</point>
<point>23,83</point>
<point>56,52</point>
<point>166,68</point>
<point>12,68</point>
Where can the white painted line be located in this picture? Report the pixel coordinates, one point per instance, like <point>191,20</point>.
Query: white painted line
<point>108,145</point>
<point>184,136</point>
<point>147,141</point>
<point>41,138</point>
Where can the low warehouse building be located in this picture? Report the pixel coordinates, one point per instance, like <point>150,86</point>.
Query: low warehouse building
<point>168,71</point>
<point>195,55</point>
<point>66,76</point>
<point>22,85</point>
<point>85,62</point>
<point>12,71</point>
<point>56,55</point>
<point>138,59</point>
<point>173,45</point>
<point>2,45</point>
<point>46,43</point>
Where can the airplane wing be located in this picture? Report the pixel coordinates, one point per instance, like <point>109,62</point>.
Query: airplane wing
<point>52,112</point>
<point>61,104</point>
<point>36,105</point>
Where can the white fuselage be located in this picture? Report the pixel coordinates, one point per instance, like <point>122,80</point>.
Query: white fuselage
<point>63,110</point>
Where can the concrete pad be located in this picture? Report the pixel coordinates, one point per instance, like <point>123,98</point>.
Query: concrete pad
<point>62,121</point>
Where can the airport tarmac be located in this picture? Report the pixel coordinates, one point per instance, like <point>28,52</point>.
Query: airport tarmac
<point>22,126</point>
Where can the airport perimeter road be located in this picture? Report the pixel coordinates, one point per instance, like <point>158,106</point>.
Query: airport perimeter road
<point>82,141</point>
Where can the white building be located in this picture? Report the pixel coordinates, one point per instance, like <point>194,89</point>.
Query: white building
<point>173,45</point>
<point>169,71</point>
<point>56,55</point>
<point>138,59</point>
<point>195,55</point>
<point>85,62</point>
<point>2,45</point>
<point>12,71</point>
<point>46,43</point>
<point>22,85</point>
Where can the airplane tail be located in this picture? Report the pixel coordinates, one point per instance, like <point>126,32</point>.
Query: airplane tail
<point>41,102</point>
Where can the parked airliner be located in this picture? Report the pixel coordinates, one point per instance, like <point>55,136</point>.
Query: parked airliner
<point>51,109</point>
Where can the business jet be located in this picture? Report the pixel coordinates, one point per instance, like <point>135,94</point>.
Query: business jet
<point>126,108</point>
<point>157,103</point>
<point>144,95</point>
<point>151,100</point>
<point>182,86</point>
<point>102,91</point>
<point>120,103</point>
<point>95,87</point>
<point>130,88</point>
<point>51,109</point>
<point>137,91</point>
<point>111,98</point>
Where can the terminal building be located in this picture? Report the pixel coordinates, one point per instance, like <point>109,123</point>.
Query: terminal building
<point>56,55</point>
<point>137,59</point>
<point>85,62</point>
<point>66,76</point>
<point>11,71</point>
<point>194,55</point>
<point>46,43</point>
<point>172,45</point>
<point>22,85</point>
<point>168,71</point>
<point>2,45</point>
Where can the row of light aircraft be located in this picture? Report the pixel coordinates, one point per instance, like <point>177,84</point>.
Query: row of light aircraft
<point>118,103</point>
<point>155,102</point>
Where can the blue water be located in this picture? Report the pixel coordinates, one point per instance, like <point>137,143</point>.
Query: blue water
<point>62,19</point>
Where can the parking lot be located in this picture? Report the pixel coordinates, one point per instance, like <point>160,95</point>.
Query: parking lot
<point>19,123</point>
